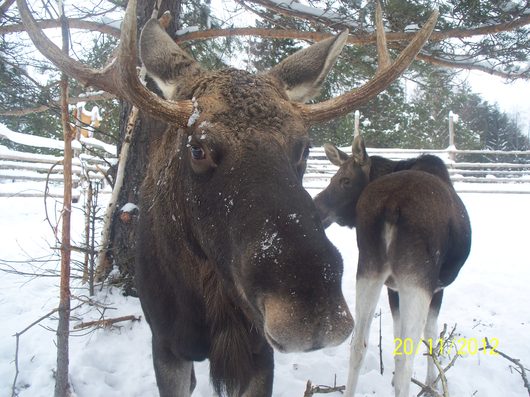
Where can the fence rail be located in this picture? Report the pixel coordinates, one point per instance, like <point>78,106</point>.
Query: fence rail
<point>491,176</point>
<point>501,177</point>
<point>18,168</point>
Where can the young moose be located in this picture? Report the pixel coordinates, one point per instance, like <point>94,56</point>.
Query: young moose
<point>413,235</point>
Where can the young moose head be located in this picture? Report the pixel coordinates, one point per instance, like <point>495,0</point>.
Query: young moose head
<point>337,202</point>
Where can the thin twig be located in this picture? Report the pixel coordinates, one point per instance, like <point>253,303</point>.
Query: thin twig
<point>106,323</point>
<point>435,353</point>
<point>515,361</point>
<point>381,367</point>
<point>310,390</point>
<point>17,343</point>
<point>441,374</point>
<point>425,388</point>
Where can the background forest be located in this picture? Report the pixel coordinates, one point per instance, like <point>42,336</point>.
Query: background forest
<point>412,113</point>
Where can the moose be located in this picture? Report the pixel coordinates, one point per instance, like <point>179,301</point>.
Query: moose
<point>413,235</point>
<point>232,259</point>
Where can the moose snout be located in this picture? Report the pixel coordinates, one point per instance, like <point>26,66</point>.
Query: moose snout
<point>324,210</point>
<point>292,325</point>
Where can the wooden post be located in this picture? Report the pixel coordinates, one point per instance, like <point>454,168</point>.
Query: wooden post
<point>356,131</point>
<point>452,147</point>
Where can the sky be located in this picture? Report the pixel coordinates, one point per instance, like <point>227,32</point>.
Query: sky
<point>512,97</point>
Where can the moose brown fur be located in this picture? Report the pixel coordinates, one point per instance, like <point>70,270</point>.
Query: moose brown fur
<point>413,235</point>
<point>232,257</point>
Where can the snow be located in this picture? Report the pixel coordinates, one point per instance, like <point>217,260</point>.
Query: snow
<point>488,299</point>
<point>315,12</point>
<point>49,143</point>
<point>188,30</point>
<point>196,113</point>
<point>129,207</point>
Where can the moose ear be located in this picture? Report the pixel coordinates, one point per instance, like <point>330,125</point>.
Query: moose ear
<point>170,67</point>
<point>303,73</point>
<point>358,150</point>
<point>334,154</point>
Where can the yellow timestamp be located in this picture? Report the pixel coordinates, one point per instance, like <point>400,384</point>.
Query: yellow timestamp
<point>442,347</point>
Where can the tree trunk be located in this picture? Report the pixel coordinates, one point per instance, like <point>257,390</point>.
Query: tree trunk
<point>123,234</point>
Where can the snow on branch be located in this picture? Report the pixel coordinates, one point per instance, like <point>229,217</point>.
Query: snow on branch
<point>293,8</point>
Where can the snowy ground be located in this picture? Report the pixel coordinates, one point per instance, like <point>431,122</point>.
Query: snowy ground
<point>489,299</point>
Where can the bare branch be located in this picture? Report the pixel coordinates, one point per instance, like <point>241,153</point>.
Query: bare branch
<point>97,96</point>
<point>385,76</point>
<point>321,389</point>
<point>287,9</point>
<point>358,39</point>
<point>525,74</point>
<point>517,362</point>
<point>74,23</point>
<point>106,323</point>
<point>295,9</point>
<point>17,344</point>
<point>5,6</point>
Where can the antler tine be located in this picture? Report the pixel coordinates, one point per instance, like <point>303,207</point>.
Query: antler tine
<point>387,72</point>
<point>71,67</point>
<point>382,48</point>
<point>131,89</point>
<point>119,77</point>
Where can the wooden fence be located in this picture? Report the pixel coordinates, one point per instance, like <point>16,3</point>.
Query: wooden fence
<point>25,174</point>
<point>509,173</point>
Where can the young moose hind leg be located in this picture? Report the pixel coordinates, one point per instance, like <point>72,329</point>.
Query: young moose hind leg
<point>393,301</point>
<point>413,307</point>
<point>367,294</point>
<point>174,376</point>
<point>431,334</point>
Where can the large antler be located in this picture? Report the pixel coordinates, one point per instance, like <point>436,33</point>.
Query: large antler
<point>387,72</point>
<point>119,77</point>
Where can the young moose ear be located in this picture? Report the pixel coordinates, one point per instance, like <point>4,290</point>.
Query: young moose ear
<point>303,73</point>
<point>358,150</point>
<point>334,154</point>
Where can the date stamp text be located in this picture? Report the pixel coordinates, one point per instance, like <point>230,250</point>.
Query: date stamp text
<point>442,347</point>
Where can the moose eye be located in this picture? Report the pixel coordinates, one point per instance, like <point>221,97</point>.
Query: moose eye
<point>345,183</point>
<point>197,153</point>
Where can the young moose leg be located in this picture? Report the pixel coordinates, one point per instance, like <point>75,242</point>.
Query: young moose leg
<point>393,301</point>
<point>431,333</point>
<point>367,293</point>
<point>175,377</point>
<point>414,304</point>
